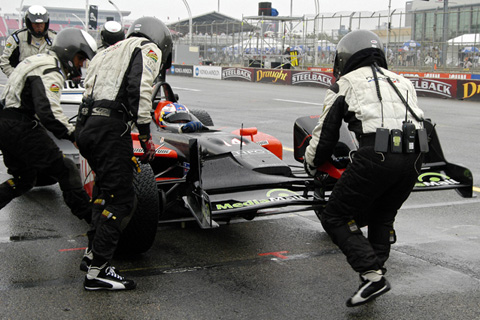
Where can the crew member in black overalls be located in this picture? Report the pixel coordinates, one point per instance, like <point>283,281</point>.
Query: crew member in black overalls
<point>374,102</point>
<point>31,101</point>
<point>118,89</point>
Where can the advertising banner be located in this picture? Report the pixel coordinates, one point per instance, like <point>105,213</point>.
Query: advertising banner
<point>434,75</point>
<point>207,72</point>
<point>436,88</point>
<point>273,76</point>
<point>328,70</point>
<point>181,70</point>
<point>312,78</point>
<point>239,74</point>
<point>92,17</point>
<point>468,90</point>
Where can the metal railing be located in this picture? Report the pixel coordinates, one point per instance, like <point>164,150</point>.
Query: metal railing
<point>266,41</point>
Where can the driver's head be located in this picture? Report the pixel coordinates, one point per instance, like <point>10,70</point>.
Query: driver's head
<point>175,113</point>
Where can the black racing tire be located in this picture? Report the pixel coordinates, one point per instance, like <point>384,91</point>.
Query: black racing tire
<point>203,116</point>
<point>140,232</point>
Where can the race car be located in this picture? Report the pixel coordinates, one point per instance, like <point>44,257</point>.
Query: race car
<point>214,175</point>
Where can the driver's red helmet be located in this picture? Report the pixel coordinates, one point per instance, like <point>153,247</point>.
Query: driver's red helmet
<point>175,113</point>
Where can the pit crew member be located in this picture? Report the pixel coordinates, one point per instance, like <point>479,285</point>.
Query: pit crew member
<point>375,183</point>
<point>31,106</point>
<point>118,90</point>
<point>111,33</point>
<point>33,39</point>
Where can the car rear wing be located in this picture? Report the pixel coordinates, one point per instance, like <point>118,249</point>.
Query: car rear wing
<point>436,172</point>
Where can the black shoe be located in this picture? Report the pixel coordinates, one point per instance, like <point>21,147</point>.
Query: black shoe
<point>368,291</point>
<point>107,279</point>
<point>86,260</point>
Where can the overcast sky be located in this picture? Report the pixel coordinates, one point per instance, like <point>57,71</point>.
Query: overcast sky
<point>173,10</point>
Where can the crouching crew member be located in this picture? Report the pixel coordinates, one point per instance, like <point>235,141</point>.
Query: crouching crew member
<point>31,106</point>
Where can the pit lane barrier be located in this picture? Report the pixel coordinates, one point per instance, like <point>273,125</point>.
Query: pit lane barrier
<point>460,86</point>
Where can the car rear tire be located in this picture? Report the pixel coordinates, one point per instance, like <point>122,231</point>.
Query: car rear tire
<point>140,232</point>
<point>203,116</point>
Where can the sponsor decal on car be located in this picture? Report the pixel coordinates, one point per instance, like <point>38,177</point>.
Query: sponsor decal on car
<point>249,203</point>
<point>157,151</point>
<point>263,143</point>
<point>434,179</point>
<point>69,84</point>
<point>248,152</point>
<point>273,195</point>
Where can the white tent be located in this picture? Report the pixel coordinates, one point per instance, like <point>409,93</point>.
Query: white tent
<point>456,45</point>
<point>469,39</point>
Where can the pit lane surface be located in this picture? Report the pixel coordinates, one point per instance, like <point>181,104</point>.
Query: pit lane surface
<point>276,267</point>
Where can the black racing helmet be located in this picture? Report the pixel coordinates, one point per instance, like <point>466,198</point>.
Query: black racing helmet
<point>358,48</point>
<point>37,14</point>
<point>111,33</point>
<point>68,43</point>
<point>157,32</point>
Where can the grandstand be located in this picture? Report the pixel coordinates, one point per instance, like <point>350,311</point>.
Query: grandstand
<point>60,18</point>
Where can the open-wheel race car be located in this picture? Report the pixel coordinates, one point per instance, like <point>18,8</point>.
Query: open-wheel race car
<point>213,176</point>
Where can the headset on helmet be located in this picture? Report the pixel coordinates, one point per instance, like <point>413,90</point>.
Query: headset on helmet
<point>352,43</point>
<point>111,33</point>
<point>68,43</point>
<point>175,113</point>
<point>37,14</point>
<point>157,32</point>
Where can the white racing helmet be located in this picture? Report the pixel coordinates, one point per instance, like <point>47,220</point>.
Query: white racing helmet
<point>37,14</point>
<point>111,33</point>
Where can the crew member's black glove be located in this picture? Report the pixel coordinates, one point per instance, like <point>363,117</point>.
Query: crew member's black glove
<point>148,150</point>
<point>310,170</point>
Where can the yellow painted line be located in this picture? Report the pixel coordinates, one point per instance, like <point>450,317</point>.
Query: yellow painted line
<point>476,189</point>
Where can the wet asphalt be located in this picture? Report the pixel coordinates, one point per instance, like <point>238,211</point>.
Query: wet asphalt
<point>275,267</point>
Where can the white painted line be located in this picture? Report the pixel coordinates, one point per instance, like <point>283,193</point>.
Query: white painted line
<point>303,102</point>
<point>440,204</point>
<point>186,89</point>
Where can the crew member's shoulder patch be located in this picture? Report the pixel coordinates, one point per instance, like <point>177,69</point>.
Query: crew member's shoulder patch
<point>54,88</point>
<point>8,45</point>
<point>152,55</point>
